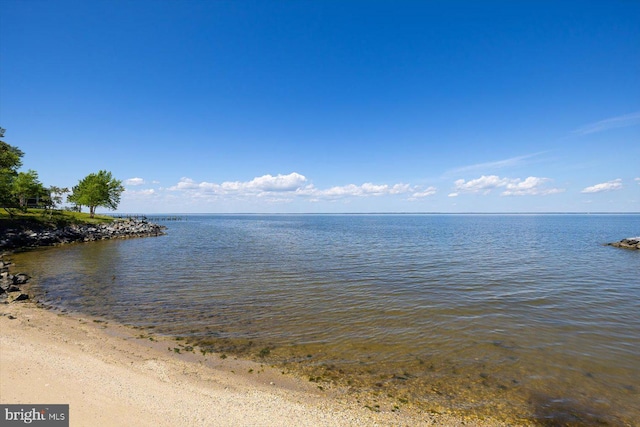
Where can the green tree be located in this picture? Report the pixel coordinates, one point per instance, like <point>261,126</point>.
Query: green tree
<point>97,189</point>
<point>56,195</point>
<point>26,185</point>
<point>52,198</point>
<point>10,156</point>
<point>10,162</point>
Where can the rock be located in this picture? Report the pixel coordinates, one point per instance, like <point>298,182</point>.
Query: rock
<point>6,279</point>
<point>78,233</point>
<point>628,243</point>
<point>13,288</point>
<point>20,279</point>
<point>21,297</point>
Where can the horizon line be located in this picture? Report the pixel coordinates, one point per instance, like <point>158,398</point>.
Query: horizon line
<point>373,213</point>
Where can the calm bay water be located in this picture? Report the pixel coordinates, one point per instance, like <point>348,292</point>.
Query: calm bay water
<point>526,315</point>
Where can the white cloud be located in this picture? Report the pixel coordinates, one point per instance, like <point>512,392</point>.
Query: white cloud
<point>185,184</point>
<point>290,182</point>
<point>638,180</point>
<point>262,184</point>
<point>484,184</point>
<point>429,191</point>
<point>612,123</point>
<point>281,188</point>
<point>285,187</point>
<point>364,190</point>
<point>615,184</point>
<point>531,186</point>
<point>147,192</point>
<point>134,181</point>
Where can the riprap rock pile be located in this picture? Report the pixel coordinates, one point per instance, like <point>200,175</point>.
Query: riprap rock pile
<point>628,243</point>
<point>43,236</point>
<point>10,284</point>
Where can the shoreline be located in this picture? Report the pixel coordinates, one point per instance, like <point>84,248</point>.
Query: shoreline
<point>204,372</point>
<point>112,374</point>
<point>30,236</point>
<point>109,373</point>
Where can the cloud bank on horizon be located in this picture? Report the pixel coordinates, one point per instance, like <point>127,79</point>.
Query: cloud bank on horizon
<point>282,190</point>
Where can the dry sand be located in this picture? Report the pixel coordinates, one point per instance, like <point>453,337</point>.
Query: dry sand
<point>112,376</point>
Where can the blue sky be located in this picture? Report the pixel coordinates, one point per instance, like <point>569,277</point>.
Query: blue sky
<point>330,106</point>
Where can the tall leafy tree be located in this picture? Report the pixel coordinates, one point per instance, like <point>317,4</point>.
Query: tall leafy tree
<point>53,197</point>
<point>26,185</point>
<point>56,195</point>
<point>10,162</point>
<point>97,189</point>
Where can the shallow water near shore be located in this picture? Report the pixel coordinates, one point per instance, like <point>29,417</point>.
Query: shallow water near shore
<point>524,316</point>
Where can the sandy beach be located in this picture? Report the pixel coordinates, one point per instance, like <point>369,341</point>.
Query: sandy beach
<point>112,375</point>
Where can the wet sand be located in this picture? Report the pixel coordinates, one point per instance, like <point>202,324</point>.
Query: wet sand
<point>115,375</point>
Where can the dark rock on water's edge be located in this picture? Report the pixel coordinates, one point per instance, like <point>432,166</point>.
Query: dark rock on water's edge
<point>15,239</point>
<point>628,243</point>
<point>10,290</point>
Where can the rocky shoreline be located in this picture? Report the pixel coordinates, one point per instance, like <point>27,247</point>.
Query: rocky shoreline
<point>10,284</point>
<point>37,236</point>
<point>628,243</point>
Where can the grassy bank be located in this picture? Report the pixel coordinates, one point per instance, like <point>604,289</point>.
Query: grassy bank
<point>47,219</point>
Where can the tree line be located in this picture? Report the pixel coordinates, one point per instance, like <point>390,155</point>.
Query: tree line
<point>20,190</point>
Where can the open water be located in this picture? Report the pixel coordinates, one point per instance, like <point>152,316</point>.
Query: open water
<point>529,316</point>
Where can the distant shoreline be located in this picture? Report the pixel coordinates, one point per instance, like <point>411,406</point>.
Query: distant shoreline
<point>187,214</point>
